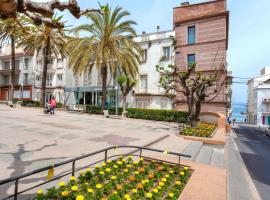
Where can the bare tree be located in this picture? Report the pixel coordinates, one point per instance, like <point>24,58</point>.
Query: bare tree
<point>40,13</point>
<point>195,86</point>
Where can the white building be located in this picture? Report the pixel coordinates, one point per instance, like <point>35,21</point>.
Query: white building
<point>158,50</point>
<point>259,99</point>
<point>23,74</point>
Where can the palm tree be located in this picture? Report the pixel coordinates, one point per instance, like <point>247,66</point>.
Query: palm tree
<point>126,84</point>
<point>10,30</point>
<point>109,44</point>
<point>48,41</point>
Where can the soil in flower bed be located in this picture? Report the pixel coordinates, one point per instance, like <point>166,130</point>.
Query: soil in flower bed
<point>123,179</point>
<point>201,130</point>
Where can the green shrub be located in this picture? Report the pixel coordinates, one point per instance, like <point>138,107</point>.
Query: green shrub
<point>147,114</point>
<point>59,105</point>
<point>157,115</point>
<point>30,103</point>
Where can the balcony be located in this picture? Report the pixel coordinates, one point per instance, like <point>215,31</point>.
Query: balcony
<point>8,71</point>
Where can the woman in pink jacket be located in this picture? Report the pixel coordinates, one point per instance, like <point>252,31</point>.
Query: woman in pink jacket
<point>52,103</point>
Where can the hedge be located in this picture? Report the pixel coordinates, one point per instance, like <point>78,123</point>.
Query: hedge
<point>31,103</point>
<point>147,114</point>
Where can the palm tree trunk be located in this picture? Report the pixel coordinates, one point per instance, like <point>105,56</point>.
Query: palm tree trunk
<point>13,70</point>
<point>104,71</point>
<point>44,73</point>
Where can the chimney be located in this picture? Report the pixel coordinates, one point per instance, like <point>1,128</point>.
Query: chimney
<point>158,28</point>
<point>186,3</point>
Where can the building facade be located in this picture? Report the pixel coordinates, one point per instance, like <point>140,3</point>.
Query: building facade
<point>201,32</point>
<point>157,50</point>
<point>23,74</point>
<point>258,111</point>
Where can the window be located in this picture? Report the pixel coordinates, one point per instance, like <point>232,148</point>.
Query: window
<point>25,78</point>
<point>26,62</point>
<point>17,64</point>
<point>142,103</point>
<point>191,35</point>
<point>143,82</point>
<point>59,79</point>
<point>166,52</point>
<point>6,80</point>
<point>144,56</point>
<point>7,65</point>
<point>191,59</point>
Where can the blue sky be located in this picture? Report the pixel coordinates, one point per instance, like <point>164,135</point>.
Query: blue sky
<point>249,42</point>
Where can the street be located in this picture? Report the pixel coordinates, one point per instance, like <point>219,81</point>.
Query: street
<point>254,148</point>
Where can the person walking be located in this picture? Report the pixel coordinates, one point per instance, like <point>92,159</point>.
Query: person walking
<point>52,103</point>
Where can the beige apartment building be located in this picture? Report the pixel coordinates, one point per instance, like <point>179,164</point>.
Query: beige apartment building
<point>201,32</point>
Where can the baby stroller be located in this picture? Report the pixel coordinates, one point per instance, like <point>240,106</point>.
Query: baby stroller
<point>47,108</point>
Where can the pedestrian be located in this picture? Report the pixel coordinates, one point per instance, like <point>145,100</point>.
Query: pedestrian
<point>52,103</point>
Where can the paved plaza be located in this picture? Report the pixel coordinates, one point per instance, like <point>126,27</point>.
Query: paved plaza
<point>31,139</point>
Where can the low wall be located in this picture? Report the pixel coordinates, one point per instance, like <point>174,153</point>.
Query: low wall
<point>214,118</point>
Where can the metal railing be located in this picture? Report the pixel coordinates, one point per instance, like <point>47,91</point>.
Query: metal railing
<point>73,161</point>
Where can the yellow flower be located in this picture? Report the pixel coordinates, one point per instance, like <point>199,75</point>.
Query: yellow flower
<point>136,172</point>
<point>163,179</point>
<point>136,163</point>
<point>40,192</point>
<point>62,184</point>
<point>80,197</point>
<point>115,166</point>
<point>155,190</point>
<point>113,177</point>
<point>104,198</point>
<point>129,165</point>
<point>72,178</point>
<point>178,182</point>
<point>171,172</point>
<point>103,164</point>
<point>186,168</point>
<point>90,190</point>
<point>171,194</point>
<point>146,180</point>
<point>126,170</point>
<point>97,166</point>
<point>107,170</point>
<point>127,196</point>
<point>134,190</point>
<point>159,187</point>
<point>182,173</point>
<point>64,193</point>
<point>88,170</point>
<point>98,186</point>
<point>109,161</point>
<point>143,181</point>
<point>119,162</point>
<point>115,192</point>
<point>167,175</point>
<point>74,188</point>
<point>130,157</point>
<point>101,172</point>
<point>149,195</point>
<point>161,184</point>
<point>141,159</point>
<point>123,160</point>
<point>81,173</point>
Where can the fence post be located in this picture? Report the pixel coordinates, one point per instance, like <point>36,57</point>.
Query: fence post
<point>179,159</point>
<point>106,155</point>
<point>73,167</point>
<point>16,189</point>
<point>140,152</point>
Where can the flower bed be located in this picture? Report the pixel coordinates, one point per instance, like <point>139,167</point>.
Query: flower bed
<point>202,130</point>
<point>123,179</point>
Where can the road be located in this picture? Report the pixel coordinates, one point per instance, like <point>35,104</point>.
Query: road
<point>254,148</point>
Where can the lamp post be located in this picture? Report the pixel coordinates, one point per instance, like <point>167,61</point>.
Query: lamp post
<point>116,99</point>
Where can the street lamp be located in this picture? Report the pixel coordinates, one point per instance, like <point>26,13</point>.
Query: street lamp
<point>116,99</point>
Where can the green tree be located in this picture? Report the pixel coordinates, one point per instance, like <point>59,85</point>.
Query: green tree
<point>49,42</point>
<point>126,84</point>
<point>109,44</point>
<point>195,86</point>
<point>11,30</point>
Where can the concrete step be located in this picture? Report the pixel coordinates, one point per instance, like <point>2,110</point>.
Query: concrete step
<point>3,102</point>
<point>205,154</point>
<point>193,149</point>
<point>217,158</point>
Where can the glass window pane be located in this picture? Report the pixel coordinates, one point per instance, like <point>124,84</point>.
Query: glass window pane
<point>191,59</point>
<point>191,35</point>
